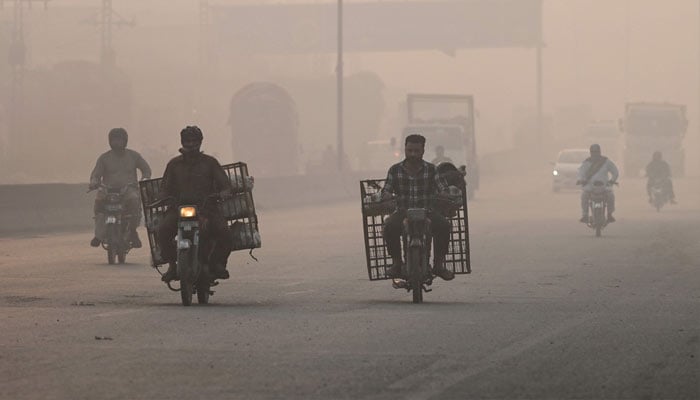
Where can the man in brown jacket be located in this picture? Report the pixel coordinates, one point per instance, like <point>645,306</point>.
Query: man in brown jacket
<point>190,178</point>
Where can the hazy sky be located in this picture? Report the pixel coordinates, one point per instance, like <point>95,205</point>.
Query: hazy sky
<point>598,53</point>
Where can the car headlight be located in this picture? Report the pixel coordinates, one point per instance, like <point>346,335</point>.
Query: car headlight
<point>188,212</point>
<point>555,173</point>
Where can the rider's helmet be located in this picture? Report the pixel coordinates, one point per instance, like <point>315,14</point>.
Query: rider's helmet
<point>595,149</point>
<point>657,156</point>
<point>118,138</point>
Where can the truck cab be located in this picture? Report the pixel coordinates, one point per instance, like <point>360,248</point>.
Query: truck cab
<point>446,120</point>
<point>651,127</point>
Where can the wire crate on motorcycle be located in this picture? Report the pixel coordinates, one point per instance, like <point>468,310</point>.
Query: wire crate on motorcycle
<point>239,211</point>
<point>374,214</point>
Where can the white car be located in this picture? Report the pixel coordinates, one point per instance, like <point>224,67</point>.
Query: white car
<point>565,172</point>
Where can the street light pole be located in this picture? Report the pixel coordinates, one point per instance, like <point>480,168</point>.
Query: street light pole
<point>339,77</point>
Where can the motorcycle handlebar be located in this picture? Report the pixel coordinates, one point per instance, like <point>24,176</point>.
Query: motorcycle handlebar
<point>170,199</point>
<point>102,186</point>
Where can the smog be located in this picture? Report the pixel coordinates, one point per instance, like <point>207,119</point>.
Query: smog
<point>316,99</point>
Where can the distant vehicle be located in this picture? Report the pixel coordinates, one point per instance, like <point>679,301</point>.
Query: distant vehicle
<point>598,206</point>
<point>446,120</point>
<point>651,127</point>
<point>565,172</point>
<point>660,194</point>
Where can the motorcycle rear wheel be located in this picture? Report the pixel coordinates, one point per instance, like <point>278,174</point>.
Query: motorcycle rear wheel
<point>121,257</point>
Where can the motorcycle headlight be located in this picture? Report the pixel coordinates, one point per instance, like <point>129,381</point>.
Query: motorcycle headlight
<point>555,173</point>
<point>188,212</point>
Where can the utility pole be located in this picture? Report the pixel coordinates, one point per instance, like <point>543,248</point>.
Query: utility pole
<point>107,56</point>
<point>339,76</point>
<point>203,57</point>
<point>106,21</point>
<point>17,59</point>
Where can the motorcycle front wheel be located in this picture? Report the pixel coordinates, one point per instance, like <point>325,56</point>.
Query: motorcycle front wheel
<point>184,269</point>
<point>414,261</point>
<point>598,215</point>
<point>111,241</point>
<point>111,256</point>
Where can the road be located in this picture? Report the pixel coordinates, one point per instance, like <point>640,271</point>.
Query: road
<point>550,312</point>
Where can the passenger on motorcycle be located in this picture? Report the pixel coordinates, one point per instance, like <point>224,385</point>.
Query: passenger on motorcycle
<point>415,183</point>
<point>597,168</point>
<point>191,178</point>
<point>116,169</point>
<point>658,170</point>
<point>440,156</point>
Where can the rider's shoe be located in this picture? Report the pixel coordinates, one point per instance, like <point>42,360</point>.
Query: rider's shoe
<point>611,219</point>
<point>394,271</point>
<point>95,242</point>
<point>443,272</point>
<point>135,240</point>
<point>219,272</point>
<point>171,273</point>
<point>584,219</point>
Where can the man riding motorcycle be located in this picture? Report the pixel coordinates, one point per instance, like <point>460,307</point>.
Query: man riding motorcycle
<point>597,168</point>
<point>191,178</point>
<point>658,170</point>
<point>415,183</point>
<point>116,169</point>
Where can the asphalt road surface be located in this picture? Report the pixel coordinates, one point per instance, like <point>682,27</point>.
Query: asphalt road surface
<point>550,312</point>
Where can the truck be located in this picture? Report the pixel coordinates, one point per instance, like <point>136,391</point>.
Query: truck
<point>446,120</point>
<point>651,127</point>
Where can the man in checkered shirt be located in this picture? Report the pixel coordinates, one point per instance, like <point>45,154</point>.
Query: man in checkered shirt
<point>415,183</point>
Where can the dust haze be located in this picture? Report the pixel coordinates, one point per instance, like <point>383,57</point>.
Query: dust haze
<point>173,66</point>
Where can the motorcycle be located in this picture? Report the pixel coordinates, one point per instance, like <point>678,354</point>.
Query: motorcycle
<point>598,206</point>
<point>660,194</point>
<point>117,240</point>
<point>193,264</point>
<point>416,248</point>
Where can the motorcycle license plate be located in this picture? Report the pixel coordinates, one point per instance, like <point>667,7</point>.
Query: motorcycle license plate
<point>111,219</point>
<point>113,207</point>
<point>597,205</point>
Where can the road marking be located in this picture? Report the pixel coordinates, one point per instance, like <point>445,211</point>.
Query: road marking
<point>298,292</point>
<point>118,312</point>
<point>445,373</point>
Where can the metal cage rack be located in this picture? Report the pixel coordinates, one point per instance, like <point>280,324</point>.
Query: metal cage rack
<point>373,216</point>
<point>239,211</point>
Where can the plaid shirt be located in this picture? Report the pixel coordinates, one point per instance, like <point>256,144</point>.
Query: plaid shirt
<point>414,191</point>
